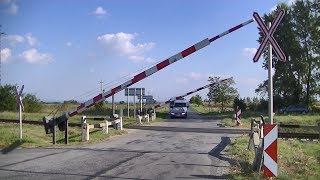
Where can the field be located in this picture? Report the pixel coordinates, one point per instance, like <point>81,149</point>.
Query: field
<point>227,117</point>
<point>296,158</point>
<point>34,135</point>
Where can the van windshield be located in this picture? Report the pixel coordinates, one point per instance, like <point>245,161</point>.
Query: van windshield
<point>180,104</point>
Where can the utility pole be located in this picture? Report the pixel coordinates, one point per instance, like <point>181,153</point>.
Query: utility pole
<point>1,33</point>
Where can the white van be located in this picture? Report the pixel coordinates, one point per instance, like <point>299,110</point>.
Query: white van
<point>179,108</point>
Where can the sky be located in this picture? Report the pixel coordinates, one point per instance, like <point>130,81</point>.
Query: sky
<point>61,50</point>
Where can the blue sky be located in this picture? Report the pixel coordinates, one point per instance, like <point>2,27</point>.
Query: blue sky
<point>60,50</point>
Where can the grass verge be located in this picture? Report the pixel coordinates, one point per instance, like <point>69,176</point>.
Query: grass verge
<point>296,160</point>
<point>34,135</point>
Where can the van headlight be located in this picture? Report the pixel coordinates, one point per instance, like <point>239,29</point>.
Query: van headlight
<point>183,113</point>
<point>172,113</point>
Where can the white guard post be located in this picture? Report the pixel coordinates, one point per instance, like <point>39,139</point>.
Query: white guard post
<point>21,108</point>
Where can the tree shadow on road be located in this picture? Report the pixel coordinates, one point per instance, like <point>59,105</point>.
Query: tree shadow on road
<point>11,147</point>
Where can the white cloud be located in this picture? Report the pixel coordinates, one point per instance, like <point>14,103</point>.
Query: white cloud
<point>14,39</point>
<point>196,76</point>
<point>122,43</point>
<point>150,60</point>
<point>136,59</point>
<point>182,80</point>
<point>249,52</point>
<point>5,55</point>
<point>69,44</point>
<point>11,8</point>
<point>31,40</point>
<point>288,2</point>
<point>34,57</point>
<point>100,11</point>
<point>141,59</point>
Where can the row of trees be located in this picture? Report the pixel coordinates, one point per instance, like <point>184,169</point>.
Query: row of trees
<point>8,100</point>
<point>298,79</point>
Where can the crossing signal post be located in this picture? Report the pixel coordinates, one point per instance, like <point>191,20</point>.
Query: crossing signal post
<point>270,130</point>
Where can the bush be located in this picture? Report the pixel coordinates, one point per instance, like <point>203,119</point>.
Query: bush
<point>31,103</point>
<point>196,100</point>
<point>8,100</point>
<point>99,106</point>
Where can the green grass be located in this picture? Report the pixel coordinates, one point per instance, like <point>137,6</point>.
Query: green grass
<point>227,118</point>
<point>296,160</point>
<point>210,111</point>
<point>34,135</point>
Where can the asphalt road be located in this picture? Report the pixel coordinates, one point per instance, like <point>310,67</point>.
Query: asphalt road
<point>165,152</point>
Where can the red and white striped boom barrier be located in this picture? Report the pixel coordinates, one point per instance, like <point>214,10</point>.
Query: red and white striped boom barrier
<point>270,166</point>
<point>101,97</point>
<point>189,93</point>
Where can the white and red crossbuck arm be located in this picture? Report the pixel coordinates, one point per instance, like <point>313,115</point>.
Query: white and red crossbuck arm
<point>189,93</point>
<point>148,72</point>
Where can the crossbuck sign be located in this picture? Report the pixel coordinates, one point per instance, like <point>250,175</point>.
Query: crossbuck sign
<point>269,36</point>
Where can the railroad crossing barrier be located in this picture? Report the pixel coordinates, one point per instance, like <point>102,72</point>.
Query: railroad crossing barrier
<point>138,77</point>
<point>115,121</point>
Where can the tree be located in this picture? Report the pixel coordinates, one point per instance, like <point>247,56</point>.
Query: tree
<point>71,102</point>
<point>298,78</point>
<point>221,92</point>
<point>238,102</point>
<point>196,100</point>
<point>31,103</point>
<point>8,100</point>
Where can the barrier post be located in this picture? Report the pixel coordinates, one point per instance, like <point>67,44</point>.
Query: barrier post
<point>54,140</point>
<point>121,125</point>
<point>87,126</point>
<point>83,121</point>
<point>66,135</point>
